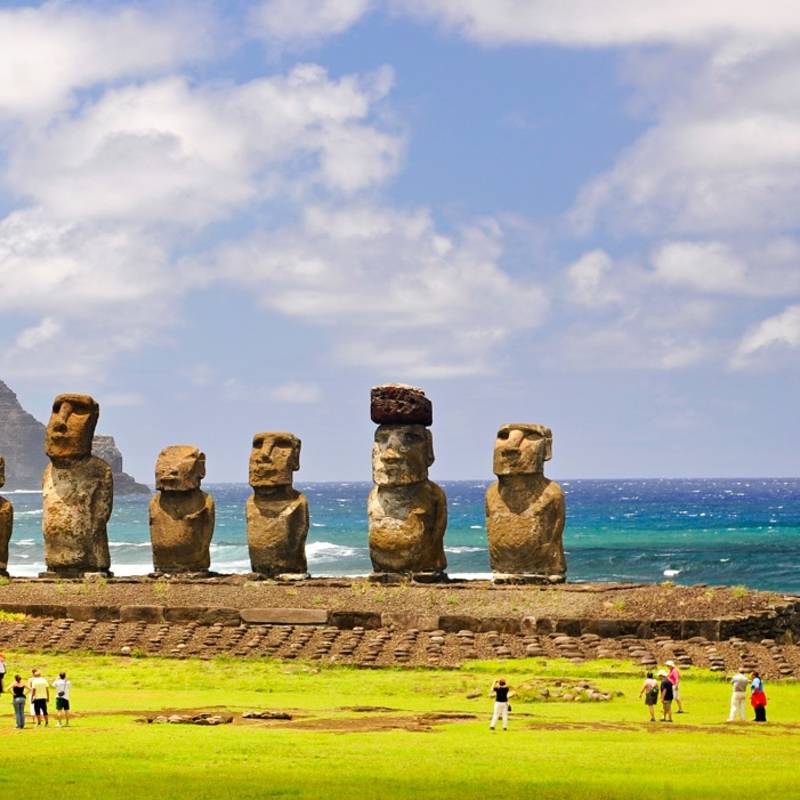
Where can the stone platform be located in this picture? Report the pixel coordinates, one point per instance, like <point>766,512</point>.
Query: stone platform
<point>387,646</point>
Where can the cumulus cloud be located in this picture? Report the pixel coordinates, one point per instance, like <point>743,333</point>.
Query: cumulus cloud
<point>773,334</point>
<point>294,24</point>
<point>622,22</point>
<point>403,290</point>
<point>589,283</point>
<point>49,51</point>
<point>169,152</point>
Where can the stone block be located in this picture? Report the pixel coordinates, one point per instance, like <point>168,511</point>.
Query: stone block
<point>285,616</point>
<point>410,619</point>
<point>141,613</point>
<point>220,615</point>
<point>572,627</point>
<point>100,613</point>
<point>499,624</point>
<point>397,404</point>
<point>353,619</point>
<point>35,609</point>
<point>708,628</point>
<point>184,613</point>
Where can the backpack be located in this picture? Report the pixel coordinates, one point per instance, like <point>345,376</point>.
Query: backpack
<point>653,693</point>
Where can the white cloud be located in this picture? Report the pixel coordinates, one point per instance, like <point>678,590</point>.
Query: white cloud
<point>167,152</point>
<point>33,337</point>
<point>385,276</point>
<point>48,51</point>
<point>772,334</point>
<point>296,392</point>
<point>123,399</point>
<point>300,23</point>
<point>588,280</point>
<point>617,23</point>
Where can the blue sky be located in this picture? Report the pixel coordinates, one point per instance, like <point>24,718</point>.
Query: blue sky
<point>226,218</point>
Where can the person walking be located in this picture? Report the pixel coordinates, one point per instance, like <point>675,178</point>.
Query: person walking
<point>650,691</point>
<point>501,692</point>
<point>738,697</point>
<point>3,668</point>
<point>667,693</point>
<point>62,687</point>
<point>31,709</point>
<point>18,689</point>
<point>675,679</point>
<point>40,689</point>
<point>758,698</point>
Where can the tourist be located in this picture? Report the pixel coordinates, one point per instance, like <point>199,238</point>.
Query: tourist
<point>738,697</point>
<point>758,699</point>
<point>667,693</point>
<point>675,679</point>
<point>40,691</point>
<point>2,671</point>
<point>500,691</point>
<point>18,690</point>
<point>31,709</point>
<point>650,691</point>
<point>62,687</point>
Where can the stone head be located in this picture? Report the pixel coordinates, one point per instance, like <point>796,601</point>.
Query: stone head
<point>273,459</point>
<point>71,426</point>
<point>522,448</point>
<point>2,471</point>
<point>180,468</point>
<point>401,454</point>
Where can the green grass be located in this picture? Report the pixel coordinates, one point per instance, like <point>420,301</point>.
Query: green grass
<point>553,750</point>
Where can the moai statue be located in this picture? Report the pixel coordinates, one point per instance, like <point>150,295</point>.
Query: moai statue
<point>181,513</point>
<point>525,511</point>
<point>6,522</point>
<point>407,512</point>
<point>77,491</point>
<point>277,514</point>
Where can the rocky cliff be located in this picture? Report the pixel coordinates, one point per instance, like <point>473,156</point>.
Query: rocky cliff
<point>21,439</point>
<point>105,447</point>
<point>21,442</point>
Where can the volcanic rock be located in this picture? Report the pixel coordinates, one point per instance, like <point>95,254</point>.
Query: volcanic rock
<point>398,404</point>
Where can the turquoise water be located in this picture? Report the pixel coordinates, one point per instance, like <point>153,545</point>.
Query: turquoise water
<point>744,531</point>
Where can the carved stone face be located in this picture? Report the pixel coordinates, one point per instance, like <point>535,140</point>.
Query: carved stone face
<point>71,426</point>
<point>273,459</point>
<point>180,468</point>
<point>2,471</point>
<point>522,449</point>
<point>401,454</point>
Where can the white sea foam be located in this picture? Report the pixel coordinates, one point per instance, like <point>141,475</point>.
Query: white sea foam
<point>328,551</point>
<point>129,544</point>
<point>465,549</point>
<point>23,542</point>
<point>671,573</point>
<point>35,512</point>
<point>318,525</point>
<point>476,527</point>
<point>24,491</point>
<point>472,576</point>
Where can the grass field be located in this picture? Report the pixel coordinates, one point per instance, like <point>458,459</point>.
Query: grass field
<point>553,749</point>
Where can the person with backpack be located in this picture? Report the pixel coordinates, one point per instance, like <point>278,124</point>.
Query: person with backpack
<point>738,697</point>
<point>62,687</point>
<point>650,691</point>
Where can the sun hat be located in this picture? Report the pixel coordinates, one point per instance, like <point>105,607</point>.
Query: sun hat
<point>670,663</point>
<point>662,674</point>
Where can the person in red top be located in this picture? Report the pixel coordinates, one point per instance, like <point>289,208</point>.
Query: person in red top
<point>674,678</point>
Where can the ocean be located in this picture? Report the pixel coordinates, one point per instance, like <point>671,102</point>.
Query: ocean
<point>720,532</point>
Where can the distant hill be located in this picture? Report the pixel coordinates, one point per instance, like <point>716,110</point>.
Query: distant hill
<point>22,446</point>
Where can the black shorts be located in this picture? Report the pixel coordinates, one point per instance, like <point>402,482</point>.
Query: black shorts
<point>40,707</point>
<point>62,704</point>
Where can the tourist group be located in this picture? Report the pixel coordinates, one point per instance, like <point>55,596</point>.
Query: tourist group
<point>36,690</point>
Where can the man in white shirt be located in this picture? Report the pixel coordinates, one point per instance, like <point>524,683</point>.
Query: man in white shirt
<point>40,691</point>
<point>738,697</point>
<point>62,687</point>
